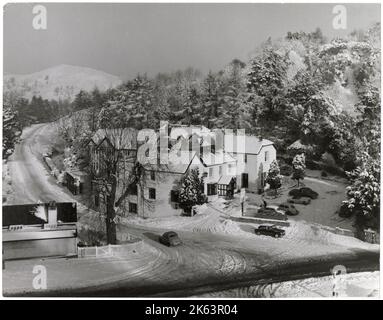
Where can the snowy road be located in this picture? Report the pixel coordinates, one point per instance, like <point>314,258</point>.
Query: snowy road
<point>207,260</point>
<point>31,181</point>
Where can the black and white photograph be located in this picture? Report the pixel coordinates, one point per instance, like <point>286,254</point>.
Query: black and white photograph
<point>192,151</point>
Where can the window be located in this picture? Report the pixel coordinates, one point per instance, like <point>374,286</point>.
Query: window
<point>210,172</point>
<point>266,155</point>
<point>213,148</point>
<point>211,189</point>
<point>205,174</point>
<point>202,187</point>
<point>132,207</point>
<point>152,193</point>
<point>152,175</point>
<point>222,189</point>
<point>133,189</point>
<point>245,158</point>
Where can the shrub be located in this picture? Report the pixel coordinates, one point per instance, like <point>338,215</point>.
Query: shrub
<point>324,174</point>
<point>286,170</point>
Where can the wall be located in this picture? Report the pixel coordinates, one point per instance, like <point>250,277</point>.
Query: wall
<point>254,167</point>
<point>39,248</point>
<point>161,206</point>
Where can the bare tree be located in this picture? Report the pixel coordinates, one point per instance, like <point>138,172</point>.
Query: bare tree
<point>116,170</point>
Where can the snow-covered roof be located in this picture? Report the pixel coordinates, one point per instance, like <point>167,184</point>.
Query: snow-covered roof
<point>226,179</point>
<point>250,144</point>
<point>119,138</point>
<point>217,158</point>
<point>178,162</point>
<point>297,145</point>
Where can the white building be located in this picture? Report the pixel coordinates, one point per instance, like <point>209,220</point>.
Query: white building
<point>224,166</point>
<point>253,161</point>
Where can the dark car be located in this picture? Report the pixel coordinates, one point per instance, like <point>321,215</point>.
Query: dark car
<point>288,208</point>
<point>270,231</point>
<point>303,192</point>
<point>170,239</point>
<point>271,213</point>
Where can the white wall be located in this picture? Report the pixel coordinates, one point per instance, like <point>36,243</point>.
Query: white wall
<point>254,165</point>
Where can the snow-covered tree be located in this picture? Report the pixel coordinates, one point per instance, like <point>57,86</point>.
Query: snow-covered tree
<point>363,195</point>
<point>191,191</point>
<point>299,166</point>
<point>274,177</point>
<point>191,111</point>
<point>11,131</point>
<point>210,99</point>
<point>234,110</point>
<point>267,79</point>
<point>130,105</point>
<point>82,100</point>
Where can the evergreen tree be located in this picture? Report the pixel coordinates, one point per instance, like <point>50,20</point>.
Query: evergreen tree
<point>191,112</point>
<point>299,166</point>
<point>210,100</point>
<point>83,100</point>
<point>364,192</point>
<point>11,131</point>
<point>191,193</point>
<point>274,177</point>
<point>267,79</point>
<point>130,105</point>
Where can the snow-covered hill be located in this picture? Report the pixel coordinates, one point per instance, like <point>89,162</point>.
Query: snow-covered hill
<point>59,82</point>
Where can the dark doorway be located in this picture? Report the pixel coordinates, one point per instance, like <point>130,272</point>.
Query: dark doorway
<point>245,180</point>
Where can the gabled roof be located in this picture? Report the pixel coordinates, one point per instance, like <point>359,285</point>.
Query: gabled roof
<point>179,162</point>
<point>250,145</point>
<point>225,179</point>
<point>217,158</point>
<point>119,138</point>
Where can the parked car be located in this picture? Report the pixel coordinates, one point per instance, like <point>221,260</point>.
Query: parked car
<point>170,239</point>
<point>271,213</point>
<point>273,231</point>
<point>288,208</point>
<point>303,200</point>
<point>303,192</point>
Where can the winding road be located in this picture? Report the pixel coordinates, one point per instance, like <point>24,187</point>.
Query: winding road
<point>205,262</point>
<point>31,182</point>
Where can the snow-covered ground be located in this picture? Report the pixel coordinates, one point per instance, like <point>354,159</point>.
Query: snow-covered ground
<point>362,284</point>
<point>217,218</point>
<point>322,210</point>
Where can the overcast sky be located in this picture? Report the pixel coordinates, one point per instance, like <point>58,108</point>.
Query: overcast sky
<point>126,39</point>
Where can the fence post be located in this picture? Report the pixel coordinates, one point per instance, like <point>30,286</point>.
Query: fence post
<point>96,252</point>
<point>109,249</point>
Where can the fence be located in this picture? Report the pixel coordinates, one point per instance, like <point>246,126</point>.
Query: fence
<point>257,220</point>
<point>371,236</point>
<point>109,250</point>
